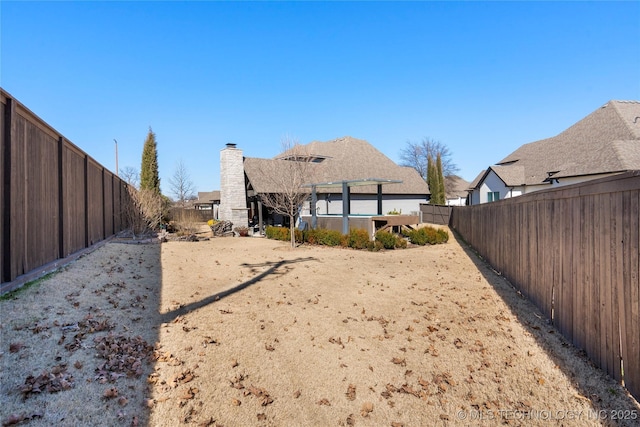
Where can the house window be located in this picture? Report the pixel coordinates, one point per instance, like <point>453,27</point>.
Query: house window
<point>493,196</point>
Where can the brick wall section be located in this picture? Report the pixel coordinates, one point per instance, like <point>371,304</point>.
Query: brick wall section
<point>233,196</point>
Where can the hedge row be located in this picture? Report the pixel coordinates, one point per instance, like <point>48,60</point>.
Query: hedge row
<point>359,238</point>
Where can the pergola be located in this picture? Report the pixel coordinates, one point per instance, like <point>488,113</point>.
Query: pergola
<point>346,198</point>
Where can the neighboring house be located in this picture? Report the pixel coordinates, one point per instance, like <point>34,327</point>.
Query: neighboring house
<point>208,200</point>
<point>343,159</point>
<point>605,142</point>
<point>457,191</point>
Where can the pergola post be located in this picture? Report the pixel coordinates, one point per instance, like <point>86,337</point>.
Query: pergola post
<point>345,207</point>
<point>314,201</point>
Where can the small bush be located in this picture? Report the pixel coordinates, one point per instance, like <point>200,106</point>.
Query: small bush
<point>358,238</point>
<point>401,243</point>
<point>277,233</point>
<point>429,235</point>
<point>282,233</point>
<point>443,236</point>
<point>387,239</point>
<point>331,238</point>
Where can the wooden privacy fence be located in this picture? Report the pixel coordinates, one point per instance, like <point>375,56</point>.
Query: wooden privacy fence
<point>191,215</point>
<point>56,200</point>
<point>435,214</point>
<point>573,251</point>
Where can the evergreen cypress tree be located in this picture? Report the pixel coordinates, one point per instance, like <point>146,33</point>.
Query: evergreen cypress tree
<point>149,178</point>
<point>442,197</point>
<point>431,179</point>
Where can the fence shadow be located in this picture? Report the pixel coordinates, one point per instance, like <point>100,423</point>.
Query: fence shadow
<point>275,268</point>
<point>570,359</point>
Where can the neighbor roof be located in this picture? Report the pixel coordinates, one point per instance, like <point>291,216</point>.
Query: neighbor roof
<point>209,196</point>
<point>341,159</point>
<point>606,141</point>
<point>457,187</point>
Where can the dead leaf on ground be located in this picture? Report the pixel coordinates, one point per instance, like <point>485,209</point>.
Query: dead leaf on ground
<point>398,361</point>
<point>189,393</point>
<point>16,347</point>
<point>260,393</point>
<point>323,402</point>
<point>351,392</point>
<point>110,393</point>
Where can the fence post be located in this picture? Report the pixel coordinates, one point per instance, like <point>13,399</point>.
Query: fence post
<point>60,198</point>
<point>7,120</point>
<point>86,200</point>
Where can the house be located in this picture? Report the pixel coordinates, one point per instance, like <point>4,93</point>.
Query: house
<point>605,142</point>
<point>364,169</point>
<point>208,200</point>
<point>457,190</point>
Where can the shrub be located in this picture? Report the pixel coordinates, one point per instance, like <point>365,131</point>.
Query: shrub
<point>358,238</point>
<point>331,238</point>
<point>322,236</point>
<point>387,239</point>
<point>277,233</point>
<point>429,235</point>
<point>282,233</point>
<point>442,236</point>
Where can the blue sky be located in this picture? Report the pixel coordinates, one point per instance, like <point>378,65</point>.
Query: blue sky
<point>481,77</point>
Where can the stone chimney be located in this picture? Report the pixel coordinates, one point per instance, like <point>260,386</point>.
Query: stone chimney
<point>233,193</point>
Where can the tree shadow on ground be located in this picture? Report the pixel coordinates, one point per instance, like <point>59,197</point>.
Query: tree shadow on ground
<point>275,268</point>
<point>606,395</point>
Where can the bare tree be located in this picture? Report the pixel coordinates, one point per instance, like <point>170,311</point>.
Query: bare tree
<point>181,185</point>
<point>130,175</point>
<point>287,178</point>
<point>416,155</point>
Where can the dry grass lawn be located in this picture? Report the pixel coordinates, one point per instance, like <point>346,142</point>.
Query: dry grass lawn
<point>246,331</point>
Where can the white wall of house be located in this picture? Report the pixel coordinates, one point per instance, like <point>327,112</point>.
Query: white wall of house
<point>493,183</point>
<point>457,201</point>
<point>366,204</point>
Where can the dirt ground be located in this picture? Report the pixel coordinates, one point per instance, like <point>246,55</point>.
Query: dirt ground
<point>247,331</point>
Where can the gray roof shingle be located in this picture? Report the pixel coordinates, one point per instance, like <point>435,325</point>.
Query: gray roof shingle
<point>344,158</point>
<point>607,140</point>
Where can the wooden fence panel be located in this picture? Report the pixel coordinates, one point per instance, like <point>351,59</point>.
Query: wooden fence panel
<point>574,251</point>
<point>53,197</point>
<point>107,198</point>
<point>95,196</point>
<point>5,137</point>
<point>73,195</point>
<point>435,214</point>
<point>41,227</point>
<point>631,340</point>
<point>117,215</point>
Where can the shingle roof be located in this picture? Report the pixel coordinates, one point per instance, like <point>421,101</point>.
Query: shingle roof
<point>457,186</point>
<point>344,158</point>
<point>607,140</point>
<point>208,196</point>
